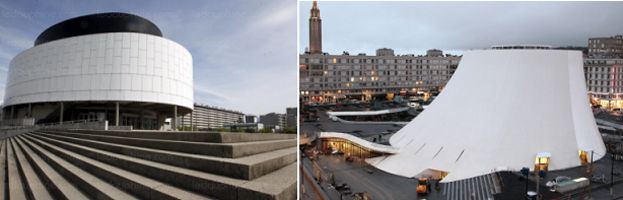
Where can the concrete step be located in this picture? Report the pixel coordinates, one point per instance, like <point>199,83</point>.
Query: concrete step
<point>138,185</point>
<point>216,137</point>
<point>94,187</point>
<point>33,185</point>
<point>248,168</point>
<point>227,150</point>
<point>57,185</point>
<point>280,184</point>
<point>16,185</point>
<point>3,174</point>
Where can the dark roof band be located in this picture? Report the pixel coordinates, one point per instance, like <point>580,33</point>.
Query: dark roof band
<point>98,23</point>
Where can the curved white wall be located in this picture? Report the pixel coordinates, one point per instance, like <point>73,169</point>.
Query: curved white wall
<point>499,110</point>
<point>103,67</point>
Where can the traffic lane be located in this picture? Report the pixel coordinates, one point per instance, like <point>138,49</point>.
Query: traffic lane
<point>604,193</point>
<point>614,117</point>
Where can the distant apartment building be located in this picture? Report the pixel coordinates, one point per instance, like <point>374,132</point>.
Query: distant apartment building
<point>207,117</point>
<point>291,119</point>
<point>606,47</point>
<point>434,53</point>
<point>327,78</point>
<point>273,120</point>
<point>604,81</point>
<point>250,119</point>
<point>603,70</point>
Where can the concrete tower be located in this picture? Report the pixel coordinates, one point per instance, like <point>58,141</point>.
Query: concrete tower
<point>315,30</point>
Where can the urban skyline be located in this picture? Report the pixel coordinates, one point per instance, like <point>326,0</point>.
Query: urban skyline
<point>414,27</point>
<point>382,104</point>
<point>222,78</point>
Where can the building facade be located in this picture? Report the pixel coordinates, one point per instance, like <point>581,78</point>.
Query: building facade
<point>206,117</point>
<point>328,78</point>
<point>604,81</point>
<point>250,119</point>
<point>291,117</point>
<point>107,66</point>
<point>273,120</point>
<point>606,46</point>
<point>603,69</point>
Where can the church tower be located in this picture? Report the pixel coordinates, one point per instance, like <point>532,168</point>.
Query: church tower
<point>315,30</point>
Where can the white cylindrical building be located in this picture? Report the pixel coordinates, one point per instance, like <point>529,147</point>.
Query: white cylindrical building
<point>108,66</point>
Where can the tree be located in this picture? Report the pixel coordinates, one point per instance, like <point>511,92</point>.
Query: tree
<point>266,130</point>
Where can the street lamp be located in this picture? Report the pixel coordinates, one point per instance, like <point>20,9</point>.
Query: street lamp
<point>590,171</point>
<point>612,175</point>
<point>537,172</point>
<point>542,159</point>
<point>526,171</point>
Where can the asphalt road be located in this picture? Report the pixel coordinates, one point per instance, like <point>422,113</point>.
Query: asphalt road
<point>310,189</point>
<point>362,177</point>
<point>612,116</point>
<point>325,190</point>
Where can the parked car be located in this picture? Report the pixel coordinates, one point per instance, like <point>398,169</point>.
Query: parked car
<point>557,180</point>
<point>570,185</point>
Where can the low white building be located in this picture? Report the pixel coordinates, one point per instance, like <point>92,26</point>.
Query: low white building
<point>206,117</point>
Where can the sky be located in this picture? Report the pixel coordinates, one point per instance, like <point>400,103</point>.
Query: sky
<point>244,52</point>
<point>455,27</point>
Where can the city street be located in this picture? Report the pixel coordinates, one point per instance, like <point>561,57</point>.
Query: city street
<point>364,178</point>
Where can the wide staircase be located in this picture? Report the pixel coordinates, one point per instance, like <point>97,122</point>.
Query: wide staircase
<point>480,187</point>
<point>87,164</point>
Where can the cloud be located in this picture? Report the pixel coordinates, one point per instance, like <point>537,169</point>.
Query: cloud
<point>244,62</point>
<point>417,26</point>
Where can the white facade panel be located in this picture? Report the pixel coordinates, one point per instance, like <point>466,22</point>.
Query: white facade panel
<point>504,107</point>
<point>102,67</point>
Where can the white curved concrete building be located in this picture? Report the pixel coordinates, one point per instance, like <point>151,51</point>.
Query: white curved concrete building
<point>499,111</point>
<point>96,66</point>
